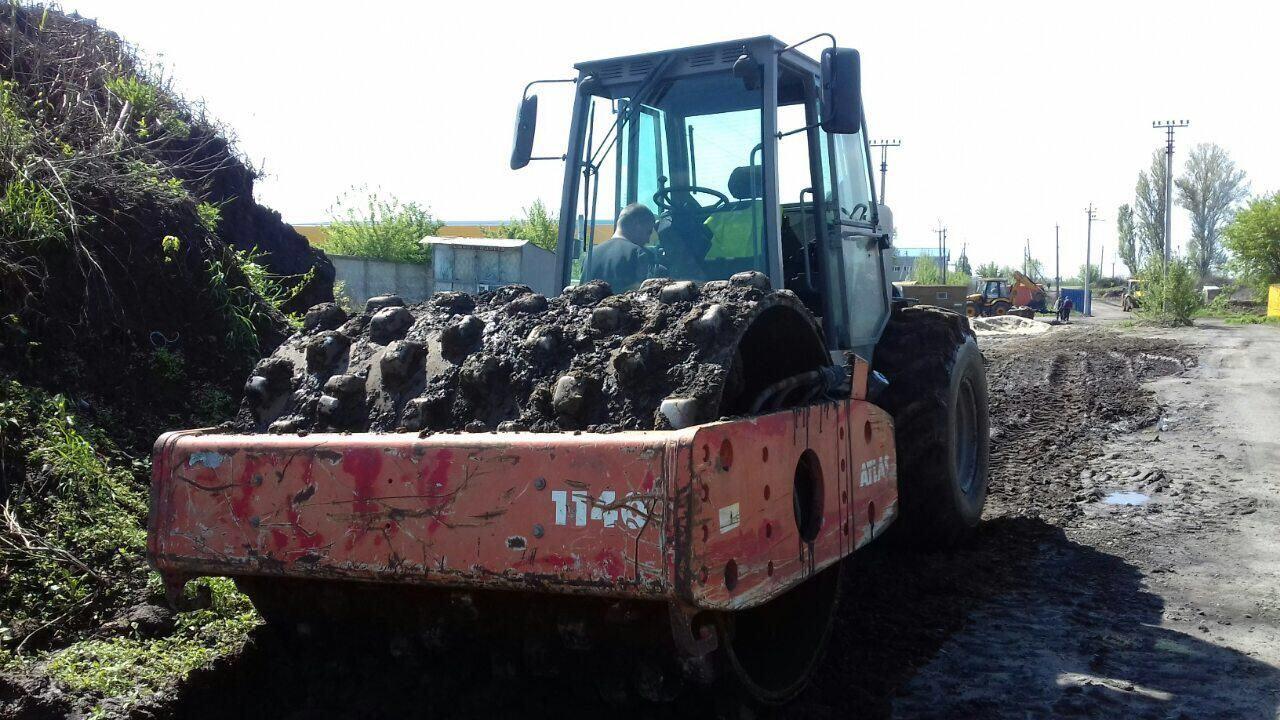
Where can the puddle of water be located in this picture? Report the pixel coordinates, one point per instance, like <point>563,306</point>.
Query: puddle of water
<point>1126,498</point>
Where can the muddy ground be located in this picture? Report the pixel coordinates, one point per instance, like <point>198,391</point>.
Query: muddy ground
<point>1063,605</point>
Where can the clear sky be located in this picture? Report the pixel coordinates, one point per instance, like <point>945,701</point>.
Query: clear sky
<point>1013,116</point>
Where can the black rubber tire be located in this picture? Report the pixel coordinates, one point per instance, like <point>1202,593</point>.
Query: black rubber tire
<point>788,640</point>
<point>937,395</point>
<point>1000,307</point>
<point>971,309</point>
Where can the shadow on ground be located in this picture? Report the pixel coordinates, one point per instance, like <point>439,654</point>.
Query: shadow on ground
<point>1019,622</point>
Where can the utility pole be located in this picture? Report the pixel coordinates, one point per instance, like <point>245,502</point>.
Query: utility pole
<point>884,146</point>
<point>942,249</point>
<point>1088,261</point>
<point>1102,252</point>
<point>1057,260</point>
<point>1168,126</point>
<point>943,257</point>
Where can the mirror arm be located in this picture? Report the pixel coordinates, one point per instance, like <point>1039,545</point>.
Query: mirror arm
<point>797,130</point>
<point>815,37</point>
<point>525,94</point>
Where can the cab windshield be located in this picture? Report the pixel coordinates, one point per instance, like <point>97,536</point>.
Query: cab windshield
<point>691,153</point>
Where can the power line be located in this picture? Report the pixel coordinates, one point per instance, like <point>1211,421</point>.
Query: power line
<point>884,146</point>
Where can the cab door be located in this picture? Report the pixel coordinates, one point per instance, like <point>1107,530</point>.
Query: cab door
<point>858,252</point>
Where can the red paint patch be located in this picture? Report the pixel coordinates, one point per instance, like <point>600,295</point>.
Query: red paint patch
<point>560,562</point>
<point>363,465</point>
<point>242,498</point>
<point>433,481</point>
<point>611,564</point>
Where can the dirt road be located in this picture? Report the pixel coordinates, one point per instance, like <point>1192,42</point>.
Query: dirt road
<point>1069,602</point>
<point>1165,603</point>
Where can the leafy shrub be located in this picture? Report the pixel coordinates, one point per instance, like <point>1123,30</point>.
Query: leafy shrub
<point>142,96</point>
<point>925,271</point>
<point>169,366</point>
<point>1170,298</point>
<point>537,226</point>
<point>1253,238</point>
<point>170,245</point>
<point>29,214</point>
<point>368,224</point>
<point>210,215</point>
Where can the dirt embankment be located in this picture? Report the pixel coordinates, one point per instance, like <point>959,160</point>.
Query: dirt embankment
<point>129,305</point>
<point>123,204</point>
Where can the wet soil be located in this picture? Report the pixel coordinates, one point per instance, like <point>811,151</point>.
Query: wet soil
<point>512,359</point>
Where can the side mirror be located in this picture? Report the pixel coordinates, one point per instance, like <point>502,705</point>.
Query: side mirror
<point>526,124</point>
<point>841,91</point>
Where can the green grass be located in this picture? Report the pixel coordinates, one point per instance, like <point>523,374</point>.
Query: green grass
<point>74,537</point>
<point>72,556</point>
<point>1250,319</point>
<point>130,669</point>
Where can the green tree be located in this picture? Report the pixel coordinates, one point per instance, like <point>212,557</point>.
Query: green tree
<point>366,223</point>
<point>1093,273</point>
<point>988,269</point>
<point>962,265</point>
<point>1149,206</point>
<point>1034,269</point>
<point>1254,241</point>
<point>1127,238</point>
<point>537,226</point>
<point>925,271</point>
<point>1210,189</point>
<point>1170,297</point>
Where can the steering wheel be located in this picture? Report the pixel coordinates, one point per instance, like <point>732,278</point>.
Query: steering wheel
<point>662,198</point>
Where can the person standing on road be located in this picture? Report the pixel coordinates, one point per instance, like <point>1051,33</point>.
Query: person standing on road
<point>622,260</point>
<point>1064,308</point>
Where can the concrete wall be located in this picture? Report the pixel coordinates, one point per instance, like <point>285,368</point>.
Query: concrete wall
<point>478,264</point>
<point>366,278</point>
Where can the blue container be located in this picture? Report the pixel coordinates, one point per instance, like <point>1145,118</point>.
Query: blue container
<point>1076,295</point>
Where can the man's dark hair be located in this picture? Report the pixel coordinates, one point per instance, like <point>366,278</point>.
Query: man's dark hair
<point>635,222</point>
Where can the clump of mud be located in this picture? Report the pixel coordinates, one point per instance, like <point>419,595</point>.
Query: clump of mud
<point>512,359</point>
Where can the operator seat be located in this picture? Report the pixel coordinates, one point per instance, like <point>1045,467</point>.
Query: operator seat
<point>734,234</point>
